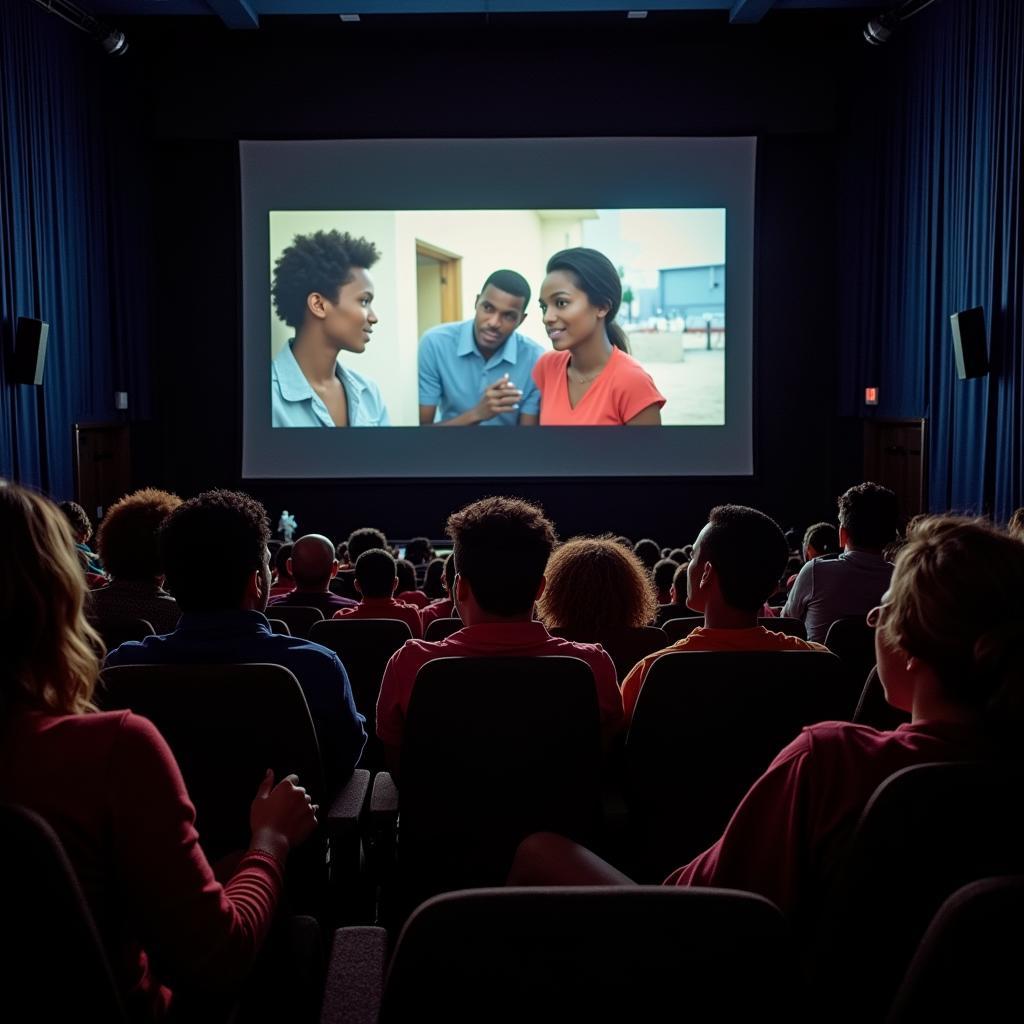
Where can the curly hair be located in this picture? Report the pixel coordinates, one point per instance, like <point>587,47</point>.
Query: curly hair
<point>128,535</point>
<point>321,262</point>
<point>364,539</point>
<point>870,515</point>
<point>501,548</point>
<point>77,519</point>
<point>51,654</point>
<point>210,545</point>
<point>594,585</point>
<point>956,601</point>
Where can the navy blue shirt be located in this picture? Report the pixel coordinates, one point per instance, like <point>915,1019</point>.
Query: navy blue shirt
<point>239,636</point>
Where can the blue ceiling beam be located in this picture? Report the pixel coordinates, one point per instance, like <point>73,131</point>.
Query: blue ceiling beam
<point>235,13</point>
<point>749,12</point>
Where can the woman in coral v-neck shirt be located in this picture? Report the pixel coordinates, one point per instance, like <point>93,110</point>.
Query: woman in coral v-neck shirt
<point>590,380</point>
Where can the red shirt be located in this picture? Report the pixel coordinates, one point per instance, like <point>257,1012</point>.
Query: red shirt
<point>110,788</point>
<point>385,608</point>
<point>413,597</point>
<point>621,390</point>
<point>491,640</point>
<point>440,609</point>
<point>786,835</point>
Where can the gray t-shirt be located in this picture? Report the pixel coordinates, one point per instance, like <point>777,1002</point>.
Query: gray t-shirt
<point>827,589</point>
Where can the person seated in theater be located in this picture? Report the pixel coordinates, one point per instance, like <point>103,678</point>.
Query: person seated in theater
<point>323,291</point>
<point>418,551</point>
<point>312,566</point>
<point>819,539</point>
<point>737,560</point>
<point>81,529</point>
<point>110,788</point>
<point>376,581</point>
<point>433,580</point>
<point>215,559</point>
<point>950,651</point>
<point>363,539</point>
<point>827,589</point>
<point>648,552</point>
<point>407,589</point>
<point>477,372</point>
<point>501,550</point>
<point>282,582</point>
<point>130,549</point>
<point>444,607</point>
<point>664,573</point>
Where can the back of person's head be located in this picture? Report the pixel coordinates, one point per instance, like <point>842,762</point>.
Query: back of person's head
<point>211,545</point>
<point>624,541</point>
<point>870,515</point>
<point>680,555</point>
<point>406,573</point>
<point>364,539</point>
<point>956,602</point>
<point>1016,525</point>
<point>501,548</point>
<point>594,584</point>
<point>748,552</point>
<point>432,578</point>
<point>78,520</point>
<point>51,655</point>
<point>663,574</point>
<point>312,562</point>
<point>418,550</point>
<point>678,593</point>
<point>595,275</point>
<point>822,538</point>
<point>284,552</point>
<point>320,262</point>
<point>647,551</point>
<point>376,573</point>
<point>128,537</point>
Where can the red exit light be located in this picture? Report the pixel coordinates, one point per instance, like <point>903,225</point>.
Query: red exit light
<point>871,396</point>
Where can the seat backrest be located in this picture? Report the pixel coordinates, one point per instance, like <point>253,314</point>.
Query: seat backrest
<point>852,641</point>
<point>115,632</point>
<point>874,710</point>
<point>667,612</point>
<point>54,964</point>
<point>705,727</point>
<point>493,750</point>
<point>927,831</point>
<point>676,629</point>
<point>279,626</point>
<point>620,953</point>
<point>345,584</point>
<point>967,966</point>
<point>625,646</point>
<point>441,629</point>
<point>299,617</point>
<point>226,724</point>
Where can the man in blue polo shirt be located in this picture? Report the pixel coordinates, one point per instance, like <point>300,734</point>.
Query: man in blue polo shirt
<point>478,371</point>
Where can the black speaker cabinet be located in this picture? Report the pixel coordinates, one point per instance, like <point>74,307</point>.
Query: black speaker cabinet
<point>969,342</point>
<point>30,350</point>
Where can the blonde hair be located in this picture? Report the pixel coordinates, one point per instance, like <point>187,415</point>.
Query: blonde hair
<point>957,603</point>
<point>1016,525</point>
<point>595,584</point>
<point>51,654</point>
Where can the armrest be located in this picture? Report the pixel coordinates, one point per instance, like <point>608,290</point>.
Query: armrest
<point>355,976</point>
<point>347,806</point>
<point>384,799</point>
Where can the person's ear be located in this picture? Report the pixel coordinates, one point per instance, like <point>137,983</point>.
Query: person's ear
<point>706,575</point>
<point>335,566</point>
<point>522,317</point>
<point>317,305</point>
<point>476,302</point>
<point>461,588</point>
<point>541,587</point>
<point>254,588</point>
<point>603,311</point>
<point>288,567</point>
<point>844,538</point>
<point>358,589</point>
<point>394,585</point>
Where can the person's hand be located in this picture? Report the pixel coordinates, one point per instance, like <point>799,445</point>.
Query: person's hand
<point>281,816</point>
<point>501,396</point>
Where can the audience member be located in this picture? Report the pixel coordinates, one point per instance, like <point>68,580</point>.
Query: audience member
<point>648,552</point>
<point>594,588</point>
<point>215,557</point>
<point>433,580</point>
<point>283,581</point>
<point>827,589</point>
<point>1016,525</point>
<point>418,551</point>
<point>677,592</point>
<point>407,589</point>
<point>312,566</point>
<point>501,550</point>
<point>737,561</point>
<point>130,550</point>
<point>81,530</point>
<point>444,608</point>
<point>664,573</point>
<point>376,582</point>
<point>364,539</point>
<point>950,652</point>
<point>679,555</point>
<point>109,786</point>
<point>819,539</point>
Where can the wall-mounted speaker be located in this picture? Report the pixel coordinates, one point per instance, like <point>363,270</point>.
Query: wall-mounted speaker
<point>969,345</point>
<point>29,350</point>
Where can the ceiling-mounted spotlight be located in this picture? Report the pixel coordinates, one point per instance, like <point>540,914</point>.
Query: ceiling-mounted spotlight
<point>879,30</point>
<point>112,40</point>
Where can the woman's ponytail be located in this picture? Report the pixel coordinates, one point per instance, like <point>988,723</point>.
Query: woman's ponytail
<point>617,336</point>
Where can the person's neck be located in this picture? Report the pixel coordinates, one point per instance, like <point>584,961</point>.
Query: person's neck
<point>592,355</point>
<point>931,705</point>
<point>478,617</point>
<point>484,351</point>
<point>317,360</point>
<point>315,588</point>
<point>851,548</point>
<point>723,616</point>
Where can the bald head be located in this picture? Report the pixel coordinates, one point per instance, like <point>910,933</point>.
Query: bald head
<point>312,563</point>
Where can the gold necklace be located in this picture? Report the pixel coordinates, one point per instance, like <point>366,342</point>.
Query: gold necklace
<point>585,380</point>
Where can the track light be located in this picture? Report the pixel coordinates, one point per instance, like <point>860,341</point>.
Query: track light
<point>112,40</point>
<point>879,30</point>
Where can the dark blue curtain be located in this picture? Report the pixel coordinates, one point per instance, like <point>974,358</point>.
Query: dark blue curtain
<point>932,223</point>
<point>70,238</point>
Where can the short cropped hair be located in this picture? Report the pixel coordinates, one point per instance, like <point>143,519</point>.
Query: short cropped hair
<point>321,262</point>
<point>283,553</point>
<point>418,550</point>
<point>511,282</point>
<point>375,573</point>
<point>210,546</point>
<point>664,573</point>
<point>647,551</point>
<point>748,551</point>
<point>77,519</point>
<point>364,539</point>
<point>406,573</point>
<point>501,548</point>
<point>823,537</point>
<point>128,537</point>
<point>869,514</point>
